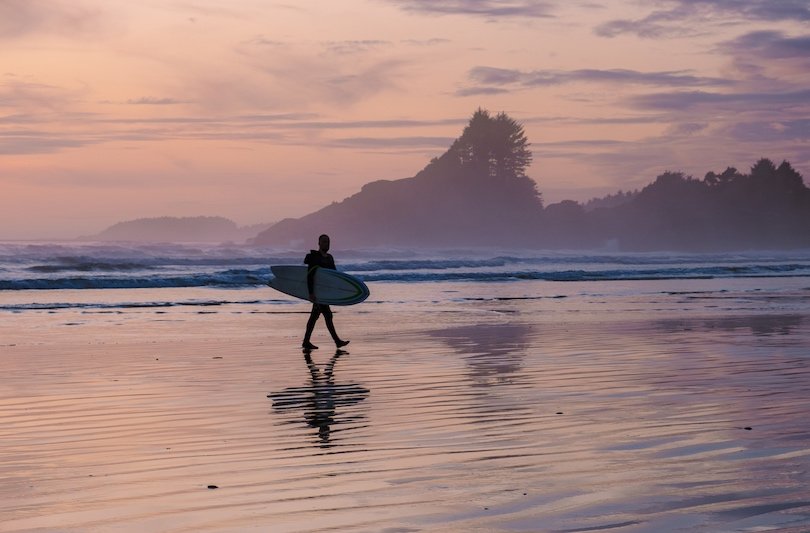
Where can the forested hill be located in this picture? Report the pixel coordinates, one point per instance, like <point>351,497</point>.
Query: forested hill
<point>767,208</point>
<point>477,194</point>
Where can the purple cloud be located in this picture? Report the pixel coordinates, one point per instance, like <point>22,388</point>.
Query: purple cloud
<point>425,42</point>
<point>772,131</point>
<point>18,95</point>
<point>353,47</point>
<point>492,80</point>
<point>376,143</point>
<point>769,45</point>
<point>682,16</point>
<point>486,8</point>
<point>150,100</point>
<point>480,91</point>
<point>681,101</point>
<point>29,142</point>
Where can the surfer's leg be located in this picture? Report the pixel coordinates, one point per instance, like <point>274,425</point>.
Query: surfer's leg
<point>313,318</point>
<point>330,325</point>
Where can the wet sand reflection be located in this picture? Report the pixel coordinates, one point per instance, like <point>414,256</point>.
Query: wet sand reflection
<point>762,325</point>
<point>493,352</point>
<point>321,399</point>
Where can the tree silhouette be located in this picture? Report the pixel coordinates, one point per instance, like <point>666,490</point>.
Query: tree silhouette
<point>768,208</point>
<point>493,146</point>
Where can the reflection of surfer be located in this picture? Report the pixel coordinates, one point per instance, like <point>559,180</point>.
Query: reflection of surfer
<point>320,258</point>
<point>321,398</point>
<point>322,414</point>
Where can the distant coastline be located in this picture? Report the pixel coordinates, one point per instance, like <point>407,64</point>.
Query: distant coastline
<point>477,194</point>
<point>178,229</point>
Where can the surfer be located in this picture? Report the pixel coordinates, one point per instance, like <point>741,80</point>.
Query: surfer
<point>320,258</point>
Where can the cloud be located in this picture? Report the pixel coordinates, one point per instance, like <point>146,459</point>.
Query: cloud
<point>682,101</point>
<point>686,128</point>
<point>766,10</point>
<point>646,28</point>
<point>24,142</point>
<point>261,40</point>
<point>281,121</point>
<point>684,16</point>
<point>643,119</point>
<point>376,143</point>
<point>304,120</point>
<point>20,95</point>
<point>19,18</point>
<point>578,144</point>
<point>491,80</point>
<point>496,76</point>
<point>768,57</point>
<point>478,91</point>
<point>485,8</point>
<point>591,120</point>
<point>289,129</point>
<point>150,100</point>
<point>768,45</point>
<point>624,76</point>
<point>773,131</point>
<point>354,47</point>
<point>426,42</point>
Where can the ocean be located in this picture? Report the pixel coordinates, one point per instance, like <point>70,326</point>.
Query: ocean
<point>48,276</point>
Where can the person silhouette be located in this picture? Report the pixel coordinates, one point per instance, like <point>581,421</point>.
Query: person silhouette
<point>315,259</point>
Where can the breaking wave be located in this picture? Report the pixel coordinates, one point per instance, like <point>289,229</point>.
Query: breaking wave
<point>110,266</point>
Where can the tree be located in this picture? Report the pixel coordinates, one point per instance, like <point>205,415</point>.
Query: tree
<point>493,146</point>
<point>763,170</point>
<point>788,178</point>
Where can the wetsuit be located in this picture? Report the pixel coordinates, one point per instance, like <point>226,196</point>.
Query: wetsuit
<point>315,260</point>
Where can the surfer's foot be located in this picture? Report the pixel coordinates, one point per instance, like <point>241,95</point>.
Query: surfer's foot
<point>306,345</point>
<point>341,344</point>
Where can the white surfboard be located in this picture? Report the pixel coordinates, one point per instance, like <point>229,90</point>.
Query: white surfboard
<point>331,287</point>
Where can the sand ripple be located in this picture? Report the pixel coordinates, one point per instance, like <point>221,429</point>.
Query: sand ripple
<point>496,425</point>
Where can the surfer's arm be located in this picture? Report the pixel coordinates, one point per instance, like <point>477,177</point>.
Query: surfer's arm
<point>312,264</point>
<point>311,282</point>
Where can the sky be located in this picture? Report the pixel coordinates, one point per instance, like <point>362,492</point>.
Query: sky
<point>260,110</point>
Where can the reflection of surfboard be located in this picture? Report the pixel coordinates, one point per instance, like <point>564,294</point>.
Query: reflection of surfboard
<point>331,287</point>
<point>336,395</point>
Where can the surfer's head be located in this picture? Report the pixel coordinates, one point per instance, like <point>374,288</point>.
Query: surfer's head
<point>323,243</point>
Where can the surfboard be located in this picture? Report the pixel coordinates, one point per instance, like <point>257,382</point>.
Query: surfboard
<point>331,286</point>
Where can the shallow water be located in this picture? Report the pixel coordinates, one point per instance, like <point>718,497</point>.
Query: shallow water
<point>525,406</point>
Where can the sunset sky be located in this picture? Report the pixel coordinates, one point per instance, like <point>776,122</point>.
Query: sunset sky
<point>254,110</point>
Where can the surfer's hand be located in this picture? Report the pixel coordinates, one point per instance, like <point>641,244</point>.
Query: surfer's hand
<point>312,297</point>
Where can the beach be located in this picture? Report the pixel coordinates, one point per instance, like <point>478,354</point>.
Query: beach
<point>458,406</point>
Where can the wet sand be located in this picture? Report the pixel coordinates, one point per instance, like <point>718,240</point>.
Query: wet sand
<point>492,415</point>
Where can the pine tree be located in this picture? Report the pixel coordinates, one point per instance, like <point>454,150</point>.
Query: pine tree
<point>493,146</point>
